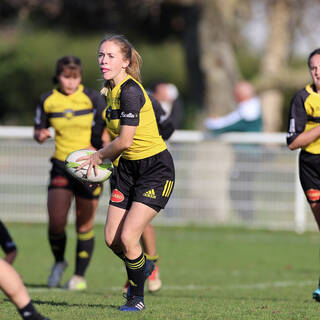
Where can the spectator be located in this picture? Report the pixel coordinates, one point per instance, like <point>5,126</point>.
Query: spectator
<point>246,118</point>
<point>167,95</point>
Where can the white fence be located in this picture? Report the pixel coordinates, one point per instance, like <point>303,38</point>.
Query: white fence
<point>235,179</point>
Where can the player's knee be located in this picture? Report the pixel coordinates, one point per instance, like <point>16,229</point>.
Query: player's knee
<point>128,241</point>
<point>110,242</point>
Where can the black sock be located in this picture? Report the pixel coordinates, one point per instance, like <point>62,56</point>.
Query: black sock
<point>136,275</point>
<point>29,312</point>
<point>85,245</point>
<point>58,245</point>
<point>120,255</point>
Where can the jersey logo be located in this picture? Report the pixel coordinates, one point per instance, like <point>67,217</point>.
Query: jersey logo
<point>292,126</point>
<point>97,191</point>
<point>68,113</point>
<point>150,194</point>
<point>129,115</point>
<point>167,189</point>
<point>117,196</point>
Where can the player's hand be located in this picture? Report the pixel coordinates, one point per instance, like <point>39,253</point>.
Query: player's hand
<point>41,135</point>
<point>92,161</point>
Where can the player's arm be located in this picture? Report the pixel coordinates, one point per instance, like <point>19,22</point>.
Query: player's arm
<point>131,101</point>
<point>99,120</point>
<point>305,138</point>
<point>41,123</point>
<point>296,136</point>
<point>41,135</point>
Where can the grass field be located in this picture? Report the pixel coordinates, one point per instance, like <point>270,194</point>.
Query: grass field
<point>208,273</point>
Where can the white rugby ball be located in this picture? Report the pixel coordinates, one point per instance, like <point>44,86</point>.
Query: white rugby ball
<point>104,170</point>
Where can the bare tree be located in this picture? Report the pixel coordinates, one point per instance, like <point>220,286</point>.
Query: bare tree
<point>275,58</point>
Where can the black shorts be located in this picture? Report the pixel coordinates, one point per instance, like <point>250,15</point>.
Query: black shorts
<point>149,181</point>
<point>6,242</point>
<point>60,178</point>
<point>309,172</point>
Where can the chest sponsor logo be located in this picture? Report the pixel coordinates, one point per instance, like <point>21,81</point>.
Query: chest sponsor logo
<point>117,196</point>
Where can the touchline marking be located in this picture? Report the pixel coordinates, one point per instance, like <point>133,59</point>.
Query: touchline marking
<point>262,285</point>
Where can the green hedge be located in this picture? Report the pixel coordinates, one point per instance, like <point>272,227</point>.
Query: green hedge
<point>28,63</point>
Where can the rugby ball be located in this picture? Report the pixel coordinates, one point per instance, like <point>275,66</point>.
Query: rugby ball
<point>104,169</point>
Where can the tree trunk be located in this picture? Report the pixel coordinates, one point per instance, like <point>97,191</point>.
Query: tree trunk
<point>217,56</point>
<point>275,59</point>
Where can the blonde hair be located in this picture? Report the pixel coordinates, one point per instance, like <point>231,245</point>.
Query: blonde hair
<point>129,53</point>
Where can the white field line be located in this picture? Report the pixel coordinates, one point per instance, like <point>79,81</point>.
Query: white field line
<point>262,285</point>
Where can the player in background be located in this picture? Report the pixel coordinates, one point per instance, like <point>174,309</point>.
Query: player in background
<point>7,244</point>
<point>69,108</point>
<point>145,175</point>
<point>304,133</point>
<point>166,128</point>
<point>12,285</point>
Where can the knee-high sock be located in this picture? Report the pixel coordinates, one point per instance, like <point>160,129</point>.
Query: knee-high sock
<point>58,245</point>
<point>136,274</point>
<point>152,258</point>
<point>85,245</point>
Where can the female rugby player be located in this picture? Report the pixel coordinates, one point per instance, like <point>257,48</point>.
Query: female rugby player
<point>145,175</point>
<point>69,108</point>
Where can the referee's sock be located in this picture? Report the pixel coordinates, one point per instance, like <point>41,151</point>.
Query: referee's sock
<point>85,245</point>
<point>58,245</point>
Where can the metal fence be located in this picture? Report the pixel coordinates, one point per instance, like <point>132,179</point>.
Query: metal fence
<point>236,179</point>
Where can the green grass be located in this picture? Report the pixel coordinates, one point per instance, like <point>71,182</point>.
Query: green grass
<point>208,273</point>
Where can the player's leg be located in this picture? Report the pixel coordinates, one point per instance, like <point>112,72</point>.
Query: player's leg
<point>148,240</point>
<point>113,228</point>
<point>85,215</point>
<point>309,173</point>
<point>316,212</point>
<point>59,201</point>
<point>13,287</point>
<point>139,215</point>
<point>7,244</point>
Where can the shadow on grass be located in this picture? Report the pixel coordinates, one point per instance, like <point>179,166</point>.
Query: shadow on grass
<point>66,304</point>
<point>33,285</point>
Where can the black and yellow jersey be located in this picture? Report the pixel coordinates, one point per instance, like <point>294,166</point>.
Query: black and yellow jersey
<point>304,115</point>
<point>129,104</point>
<point>73,118</point>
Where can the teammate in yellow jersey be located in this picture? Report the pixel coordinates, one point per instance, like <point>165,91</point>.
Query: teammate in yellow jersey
<point>145,176</point>
<point>72,110</point>
<point>166,126</point>
<point>304,133</point>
